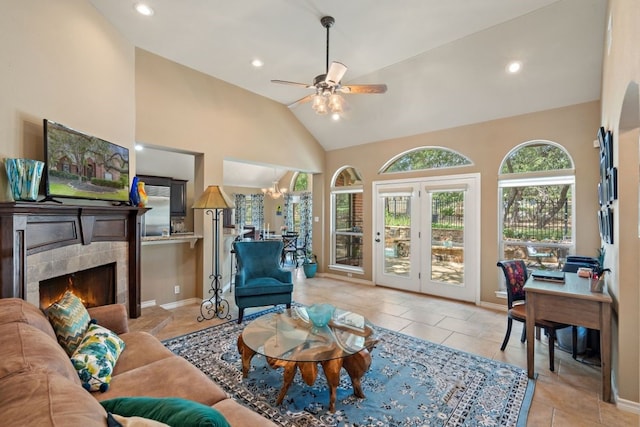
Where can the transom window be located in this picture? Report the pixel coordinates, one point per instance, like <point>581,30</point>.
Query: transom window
<point>423,158</point>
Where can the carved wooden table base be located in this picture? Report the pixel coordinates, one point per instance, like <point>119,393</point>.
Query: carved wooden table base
<point>356,366</point>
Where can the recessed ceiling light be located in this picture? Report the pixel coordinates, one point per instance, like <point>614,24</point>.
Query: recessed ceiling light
<point>335,116</point>
<point>143,9</point>
<point>257,63</point>
<point>514,67</point>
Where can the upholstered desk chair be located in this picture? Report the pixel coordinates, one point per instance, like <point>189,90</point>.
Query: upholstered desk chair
<point>515,274</point>
<point>259,279</point>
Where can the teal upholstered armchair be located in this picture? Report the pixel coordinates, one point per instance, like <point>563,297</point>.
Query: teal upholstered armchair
<point>260,280</point>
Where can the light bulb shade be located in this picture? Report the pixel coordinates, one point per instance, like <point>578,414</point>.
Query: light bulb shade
<point>335,103</point>
<point>321,109</point>
<point>213,198</point>
<point>318,101</point>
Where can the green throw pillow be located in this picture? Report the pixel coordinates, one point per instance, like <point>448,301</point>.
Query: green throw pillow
<point>174,411</point>
<point>70,320</point>
<point>96,356</point>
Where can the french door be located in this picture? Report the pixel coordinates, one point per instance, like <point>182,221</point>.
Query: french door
<point>427,235</point>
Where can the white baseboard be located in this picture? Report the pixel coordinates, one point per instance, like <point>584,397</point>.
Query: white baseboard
<point>623,404</point>
<point>176,304</point>
<point>493,306</point>
<point>346,279</point>
<point>150,303</point>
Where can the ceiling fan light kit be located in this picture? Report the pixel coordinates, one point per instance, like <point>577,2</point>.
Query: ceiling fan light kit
<point>327,86</point>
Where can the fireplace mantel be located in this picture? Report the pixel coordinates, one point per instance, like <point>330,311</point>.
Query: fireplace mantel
<point>30,228</point>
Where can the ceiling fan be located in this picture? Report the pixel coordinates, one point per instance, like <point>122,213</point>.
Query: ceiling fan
<point>327,86</point>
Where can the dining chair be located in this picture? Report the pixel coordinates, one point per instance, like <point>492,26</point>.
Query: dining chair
<point>515,274</point>
<point>289,247</point>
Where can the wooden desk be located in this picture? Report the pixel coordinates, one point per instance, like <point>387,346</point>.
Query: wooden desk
<point>573,303</point>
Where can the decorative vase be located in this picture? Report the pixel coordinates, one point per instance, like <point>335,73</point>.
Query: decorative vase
<point>24,178</point>
<point>320,314</point>
<point>310,269</point>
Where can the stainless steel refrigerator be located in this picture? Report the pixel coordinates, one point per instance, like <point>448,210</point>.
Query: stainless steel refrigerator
<point>157,220</point>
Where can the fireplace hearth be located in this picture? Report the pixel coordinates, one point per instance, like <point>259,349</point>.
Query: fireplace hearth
<point>94,286</point>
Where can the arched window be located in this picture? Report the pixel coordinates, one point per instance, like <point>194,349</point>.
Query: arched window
<point>536,184</point>
<point>347,220</point>
<point>301,182</point>
<point>423,158</point>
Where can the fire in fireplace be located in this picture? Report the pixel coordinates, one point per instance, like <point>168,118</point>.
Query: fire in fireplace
<point>95,286</point>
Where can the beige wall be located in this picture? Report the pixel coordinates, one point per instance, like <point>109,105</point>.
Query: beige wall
<point>62,61</point>
<point>182,109</point>
<point>486,144</point>
<point>621,68</point>
<point>165,266</point>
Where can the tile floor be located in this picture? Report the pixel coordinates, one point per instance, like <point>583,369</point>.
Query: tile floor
<point>570,396</point>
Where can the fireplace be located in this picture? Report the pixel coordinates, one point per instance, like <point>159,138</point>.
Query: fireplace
<point>94,286</point>
<point>40,241</point>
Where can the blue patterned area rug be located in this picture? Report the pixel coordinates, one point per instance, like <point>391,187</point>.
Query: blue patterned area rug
<point>411,382</point>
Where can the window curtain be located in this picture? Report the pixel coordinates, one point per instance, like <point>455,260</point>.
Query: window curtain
<point>288,211</point>
<point>241,210</point>
<point>257,210</point>
<point>306,217</point>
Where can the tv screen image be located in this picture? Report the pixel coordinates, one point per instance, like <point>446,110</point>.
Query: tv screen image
<point>82,166</point>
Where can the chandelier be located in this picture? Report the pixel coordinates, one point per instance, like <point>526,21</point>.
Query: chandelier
<point>274,191</point>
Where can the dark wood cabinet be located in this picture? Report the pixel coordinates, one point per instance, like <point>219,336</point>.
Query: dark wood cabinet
<point>178,197</point>
<point>178,192</point>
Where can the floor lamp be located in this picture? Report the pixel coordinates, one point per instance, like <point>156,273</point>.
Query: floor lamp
<point>214,200</point>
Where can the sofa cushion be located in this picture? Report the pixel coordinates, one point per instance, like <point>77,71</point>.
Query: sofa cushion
<point>114,420</point>
<point>41,398</point>
<point>170,410</point>
<point>26,348</point>
<point>18,310</point>
<point>96,356</point>
<point>172,376</point>
<point>238,415</point>
<point>70,320</point>
<point>142,349</point>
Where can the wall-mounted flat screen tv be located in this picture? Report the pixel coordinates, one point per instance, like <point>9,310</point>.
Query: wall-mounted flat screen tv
<point>81,166</point>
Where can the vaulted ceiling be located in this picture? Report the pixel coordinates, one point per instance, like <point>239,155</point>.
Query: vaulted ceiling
<point>444,62</point>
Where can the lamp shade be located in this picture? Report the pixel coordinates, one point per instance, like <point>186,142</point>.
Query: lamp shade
<point>213,198</point>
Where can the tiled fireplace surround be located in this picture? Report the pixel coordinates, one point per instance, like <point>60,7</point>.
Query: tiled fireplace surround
<point>42,241</point>
<point>70,259</point>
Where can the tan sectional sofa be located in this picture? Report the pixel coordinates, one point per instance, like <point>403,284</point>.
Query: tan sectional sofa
<point>40,387</point>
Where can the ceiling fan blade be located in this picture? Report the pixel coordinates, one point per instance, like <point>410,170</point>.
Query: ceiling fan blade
<point>335,73</point>
<point>302,100</point>
<point>381,88</point>
<point>284,82</point>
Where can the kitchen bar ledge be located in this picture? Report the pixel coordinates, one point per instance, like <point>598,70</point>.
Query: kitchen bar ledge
<point>191,238</point>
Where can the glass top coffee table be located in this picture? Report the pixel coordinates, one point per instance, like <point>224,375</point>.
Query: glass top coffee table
<point>289,340</point>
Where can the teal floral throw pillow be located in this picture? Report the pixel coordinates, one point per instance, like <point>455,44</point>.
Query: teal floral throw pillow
<point>96,356</point>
